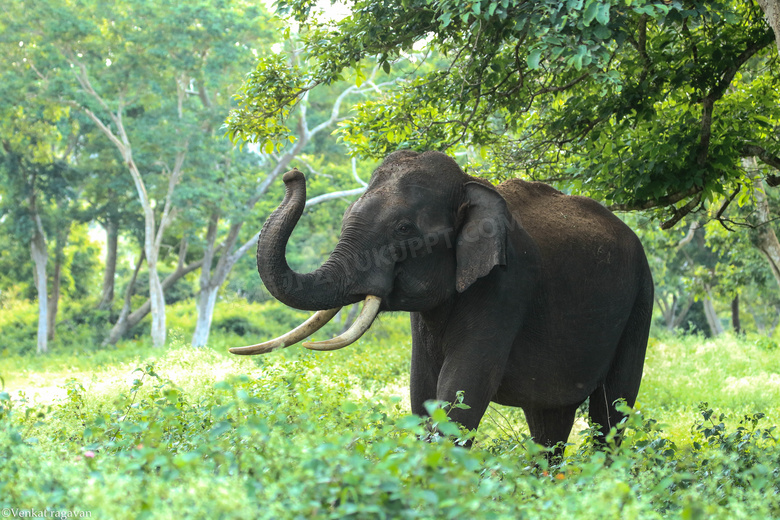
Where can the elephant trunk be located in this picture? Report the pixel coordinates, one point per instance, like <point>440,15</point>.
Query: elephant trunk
<point>318,290</point>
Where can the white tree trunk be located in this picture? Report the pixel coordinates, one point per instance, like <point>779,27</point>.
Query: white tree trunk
<point>207,300</point>
<point>151,249</point>
<point>771,10</point>
<point>207,297</point>
<point>158,306</point>
<point>716,327</point>
<point>40,257</point>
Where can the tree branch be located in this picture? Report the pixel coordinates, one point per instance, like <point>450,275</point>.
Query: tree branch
<point>656,203</point>
<point>680,213</point>
<point>750,150</point>
<point>241,251</point>
<point>691,231</point>
<point>173,180</point>
<point>334,195</point>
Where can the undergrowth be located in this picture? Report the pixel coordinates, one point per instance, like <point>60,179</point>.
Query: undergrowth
<point>134,432</point>
<point>289,441</point>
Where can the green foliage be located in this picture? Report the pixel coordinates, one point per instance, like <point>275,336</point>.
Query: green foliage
<point>120,80</point>
<point>81,327</point>
<point>638,103</point>
<point>18,326</point>
<point>325,435</point>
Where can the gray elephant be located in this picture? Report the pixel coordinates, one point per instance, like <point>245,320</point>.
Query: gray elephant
<point>518,293</point>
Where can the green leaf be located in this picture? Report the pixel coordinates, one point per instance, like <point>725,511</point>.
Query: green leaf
<point>590,12</point>
<point>433,458</point>
<point>602,32</point>
<point>448,428</point>
<point>533,59</point>
<point>439,416</point>
<point>603,14</point>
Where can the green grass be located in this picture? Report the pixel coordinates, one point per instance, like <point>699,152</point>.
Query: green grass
<point>134,432</point>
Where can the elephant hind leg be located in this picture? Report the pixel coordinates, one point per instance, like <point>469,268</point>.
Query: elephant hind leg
<point>551,427</point>
<point>625,374</point>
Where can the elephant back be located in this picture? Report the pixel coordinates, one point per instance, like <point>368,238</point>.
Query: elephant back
<point>574,234</point>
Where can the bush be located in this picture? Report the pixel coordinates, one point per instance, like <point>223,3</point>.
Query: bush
<point>150,433</point>
<point>80,327</point>
<point>238,325</point>
<point>289,443</point>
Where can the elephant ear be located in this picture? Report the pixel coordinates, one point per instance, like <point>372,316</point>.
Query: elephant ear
<point>481,243</point>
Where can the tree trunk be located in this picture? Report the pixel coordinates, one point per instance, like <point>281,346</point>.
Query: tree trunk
<point>667,311</point>
<point>54,298</point>
<point>207,296</point>
<point>207,300</point>
<point>716,327</point>
<point>735,323</point>
<point>683,313</point>
<point>40,257</point>
<point>157,299</point>
<point>109,275</point>
<point>671,314</point>
<point>771,9</point>
<point>153,235</point>
<point>766,239</point>
<point>120,327</point>
<point>133,318</point>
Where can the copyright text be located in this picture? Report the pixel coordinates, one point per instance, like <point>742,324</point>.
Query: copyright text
<point>12,512</point>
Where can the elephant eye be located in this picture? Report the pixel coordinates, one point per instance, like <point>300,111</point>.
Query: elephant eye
<point>404,228</point>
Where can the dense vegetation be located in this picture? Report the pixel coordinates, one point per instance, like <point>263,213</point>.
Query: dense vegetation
<point>149,433</point>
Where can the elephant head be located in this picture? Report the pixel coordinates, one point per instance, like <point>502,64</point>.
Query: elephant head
<point>422,232</point>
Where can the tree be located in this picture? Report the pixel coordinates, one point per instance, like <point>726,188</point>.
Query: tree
<point>38,186</point>
<point>545,83</point>
<point>141,74</point>
<point>111,201</point>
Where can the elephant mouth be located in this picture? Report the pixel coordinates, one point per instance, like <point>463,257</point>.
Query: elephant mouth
<point>371,307</point>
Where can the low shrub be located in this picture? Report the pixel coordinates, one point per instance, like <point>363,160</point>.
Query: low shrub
<point>290,439</point>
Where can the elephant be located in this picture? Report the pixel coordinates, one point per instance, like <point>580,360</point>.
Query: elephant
<point>518,294</point>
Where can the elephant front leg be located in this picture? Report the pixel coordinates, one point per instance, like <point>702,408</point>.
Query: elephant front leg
<point>425,365</point>
<point>471,343</point>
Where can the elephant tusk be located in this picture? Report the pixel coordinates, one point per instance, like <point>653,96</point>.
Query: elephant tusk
<point>362,323</point>
<point>302,331</point>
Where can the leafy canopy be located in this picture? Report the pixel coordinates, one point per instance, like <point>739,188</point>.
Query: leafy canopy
<point>639,103</point>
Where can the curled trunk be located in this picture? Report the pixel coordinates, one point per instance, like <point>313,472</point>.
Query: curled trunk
<point>321,289</point>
